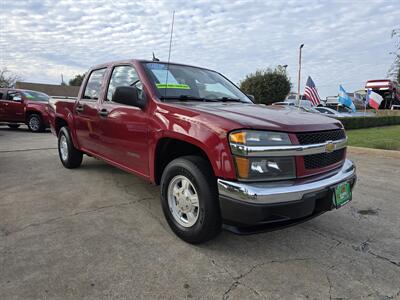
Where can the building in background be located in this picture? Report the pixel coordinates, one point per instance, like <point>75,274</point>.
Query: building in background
<point>50,89</point>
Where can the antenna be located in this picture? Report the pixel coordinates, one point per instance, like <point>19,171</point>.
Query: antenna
<point>170,39</point>
<point>169,52</point>
<point>155,58</point>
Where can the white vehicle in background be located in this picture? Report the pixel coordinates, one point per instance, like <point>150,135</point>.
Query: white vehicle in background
<point>329,112</point>
<point>283,103</point>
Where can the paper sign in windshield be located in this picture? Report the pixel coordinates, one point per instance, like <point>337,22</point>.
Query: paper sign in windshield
<point>173,86</point>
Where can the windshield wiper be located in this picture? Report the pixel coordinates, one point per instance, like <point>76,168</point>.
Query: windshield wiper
<point>187,98</point>
<point>226,99</point>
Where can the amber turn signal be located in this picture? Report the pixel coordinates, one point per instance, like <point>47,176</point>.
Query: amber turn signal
<point>242,166</point>
<point>238,137</point>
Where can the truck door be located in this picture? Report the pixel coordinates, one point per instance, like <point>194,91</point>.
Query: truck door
<point>2,106</point>
<point>86,121</point>
<point>124,128</point>
<point>14,108</point>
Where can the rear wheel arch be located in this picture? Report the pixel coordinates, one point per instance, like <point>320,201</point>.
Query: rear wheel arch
<point>61,122</point>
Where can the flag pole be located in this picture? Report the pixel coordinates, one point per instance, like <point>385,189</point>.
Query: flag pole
<point>298,79</point>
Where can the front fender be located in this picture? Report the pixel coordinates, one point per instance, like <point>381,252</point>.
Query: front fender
<point>211,140</point>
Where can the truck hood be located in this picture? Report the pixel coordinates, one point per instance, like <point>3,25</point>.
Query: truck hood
<point>259,116</point>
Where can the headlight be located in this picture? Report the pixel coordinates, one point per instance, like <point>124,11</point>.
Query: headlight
<point>261,168</point>
<point>259,138</point>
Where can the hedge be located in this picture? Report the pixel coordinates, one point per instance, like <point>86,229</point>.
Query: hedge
<point>365,122</point>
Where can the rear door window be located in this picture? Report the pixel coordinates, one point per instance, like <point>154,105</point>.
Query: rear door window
<point>93,86</point>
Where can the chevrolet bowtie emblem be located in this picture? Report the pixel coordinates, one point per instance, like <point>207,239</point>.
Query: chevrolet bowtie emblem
<point>330,147</point>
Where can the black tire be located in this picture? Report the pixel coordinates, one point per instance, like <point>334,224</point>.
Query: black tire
<point>73,159</point>
<point>199,172</point>
<point>13,126</point>
<point>35,123</point>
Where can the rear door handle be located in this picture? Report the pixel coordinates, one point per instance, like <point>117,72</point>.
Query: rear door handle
<point>79,108</point>
<point>103,112</point>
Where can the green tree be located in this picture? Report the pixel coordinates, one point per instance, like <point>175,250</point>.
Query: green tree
<point>7,79</point>
<point>267,86</point>
<point>77,80</point>
<point>398,75</point>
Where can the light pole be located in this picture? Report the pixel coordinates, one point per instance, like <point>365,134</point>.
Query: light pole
<point>298,80</point>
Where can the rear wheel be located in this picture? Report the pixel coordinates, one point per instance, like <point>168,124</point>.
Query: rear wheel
<point>189,199</point>
<point>35,123</point>
<point>13,126</point>
<point>70,156</point>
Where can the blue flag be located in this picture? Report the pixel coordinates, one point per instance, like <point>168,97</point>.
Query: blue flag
<point>345,99</point>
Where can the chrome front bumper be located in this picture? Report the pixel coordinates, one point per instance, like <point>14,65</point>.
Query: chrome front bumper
<point>286,191</point>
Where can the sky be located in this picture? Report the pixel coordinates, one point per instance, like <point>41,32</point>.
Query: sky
<point>345,42</point>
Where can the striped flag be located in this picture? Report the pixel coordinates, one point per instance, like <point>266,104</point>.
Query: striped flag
<point>311,92</point>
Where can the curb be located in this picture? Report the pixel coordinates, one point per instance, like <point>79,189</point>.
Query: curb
<point>375,152</point>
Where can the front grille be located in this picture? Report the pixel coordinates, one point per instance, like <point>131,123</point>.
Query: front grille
<point>320,137</point>
<point>322,160</point>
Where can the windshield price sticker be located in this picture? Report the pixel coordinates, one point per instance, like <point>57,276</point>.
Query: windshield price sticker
<point>173,86</point>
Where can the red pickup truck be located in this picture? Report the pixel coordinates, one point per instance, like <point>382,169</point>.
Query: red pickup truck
<point>24,106</point>
<point>218,157</point>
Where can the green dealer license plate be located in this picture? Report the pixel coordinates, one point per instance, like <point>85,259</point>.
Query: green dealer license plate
<point>341,194</point>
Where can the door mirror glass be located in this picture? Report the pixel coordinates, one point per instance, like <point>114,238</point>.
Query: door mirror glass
<point>17,98</point>
<point>251,97</point>
<point>128,95</point>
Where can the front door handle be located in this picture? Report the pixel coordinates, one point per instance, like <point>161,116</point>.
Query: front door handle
<point>103,112</point>
<point>79,108</point>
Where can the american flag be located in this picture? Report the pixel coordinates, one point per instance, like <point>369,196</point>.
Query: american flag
<point>311,92</point>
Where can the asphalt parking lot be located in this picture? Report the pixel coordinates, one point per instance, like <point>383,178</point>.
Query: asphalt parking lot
<point>97,232</point>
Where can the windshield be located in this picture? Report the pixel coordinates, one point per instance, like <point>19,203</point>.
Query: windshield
<point>36,96</point>
<point>191,83</point>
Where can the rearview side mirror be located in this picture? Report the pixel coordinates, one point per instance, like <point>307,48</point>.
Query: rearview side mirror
<point>17,98</point>
<point>128,95</point>
<point>252,98</point>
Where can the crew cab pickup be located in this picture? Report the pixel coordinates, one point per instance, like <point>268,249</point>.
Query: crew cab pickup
<point>219,158</point>
<point>24,106</point>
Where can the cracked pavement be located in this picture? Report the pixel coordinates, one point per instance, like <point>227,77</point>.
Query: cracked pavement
<point>99,233</point>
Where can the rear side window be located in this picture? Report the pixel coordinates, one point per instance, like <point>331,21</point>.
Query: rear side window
<point>93,86</point>
<point>12,94</point>
<point>1,95</point>
<point>122,76</point>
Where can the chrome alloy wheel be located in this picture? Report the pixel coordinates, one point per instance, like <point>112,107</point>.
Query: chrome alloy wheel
<point>183,201</point>
<point>34,123</point>
<point>63,148</point>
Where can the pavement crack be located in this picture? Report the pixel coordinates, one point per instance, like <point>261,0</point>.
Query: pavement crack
<point>96,209</point>
<point>397,264</point>
<point>330,287</point>
<point>363,247</point>
<point>237,280</point>
<point>231,288</point>
<point>25,150</point>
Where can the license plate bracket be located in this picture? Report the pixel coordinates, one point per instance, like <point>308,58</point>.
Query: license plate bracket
<point>341,194</point>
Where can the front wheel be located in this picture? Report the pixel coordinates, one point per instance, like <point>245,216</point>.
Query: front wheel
<point>70,156</point>
<point>189,199</point>
<point>35,123</point>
